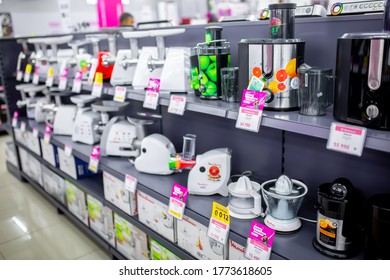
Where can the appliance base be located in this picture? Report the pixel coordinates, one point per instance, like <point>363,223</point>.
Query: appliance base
<point>333,253</point>
<point>283,226</point>
<point>242,216</point>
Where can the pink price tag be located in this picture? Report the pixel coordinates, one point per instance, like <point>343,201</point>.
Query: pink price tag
<point>177,202</point>
<point>77,82</point>
<point>47,135</point>
<point>15,119</point>
<point>19,75</point>
<point>153,85</point>
<point>94,159</point>
<point>35,80</point>
<point>251,110</point>
<point>259,243</point>
<point>131,183</point>
<point>120,94</point>
<point>63,78</point>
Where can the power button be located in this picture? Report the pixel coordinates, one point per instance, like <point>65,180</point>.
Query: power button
<point>372,111</point>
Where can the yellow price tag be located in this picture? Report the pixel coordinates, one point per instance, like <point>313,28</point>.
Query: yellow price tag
<point>50,72</point>
<point>28,68</point>
<point>98,78</point>
<point>220,213</point>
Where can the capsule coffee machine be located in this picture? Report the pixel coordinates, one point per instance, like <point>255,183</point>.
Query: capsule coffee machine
<point>275,60</point>
<point>363,77</point>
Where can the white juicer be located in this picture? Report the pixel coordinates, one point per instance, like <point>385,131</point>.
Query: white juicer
<point>283,198</point>
<point>85,121</point>
<point>126,60</point>
<point>152,59</point>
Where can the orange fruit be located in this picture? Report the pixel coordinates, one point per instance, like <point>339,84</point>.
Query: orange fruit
<point>273,86</point>
<point>256,71</point>
<point>291,68</point>
<point>281,75</point>
<point>323,223</point>
<point>281,87</point>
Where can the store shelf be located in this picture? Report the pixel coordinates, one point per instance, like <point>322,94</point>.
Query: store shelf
<point>5,127</point>
<point>13,170</point>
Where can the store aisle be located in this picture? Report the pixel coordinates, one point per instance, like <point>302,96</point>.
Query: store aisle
<point>30,227</point>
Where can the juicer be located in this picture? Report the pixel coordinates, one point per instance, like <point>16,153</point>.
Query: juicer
<point>152,59</point>
<point>283,197</point>
<point>85,121</point>
<point>126,60</point>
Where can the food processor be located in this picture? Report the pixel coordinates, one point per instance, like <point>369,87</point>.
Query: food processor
<point>283,197</point>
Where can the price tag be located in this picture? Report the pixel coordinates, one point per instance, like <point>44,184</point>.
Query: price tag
<point>219,223</point>
<point>64,73</point>
<point>35,132</point>
<point>131,183</point>
<point>50,77</point>
<point>177,105</point>
<point>23,126</point>
<point>97,88</point>
<point>47,135</point>
<point>152,94</point>
<point>177,202</point>
<point>35,80</point>
<point>27,73</point>
<point>68,150</point>
<point>94,159</point>
<point>120,94</point>
<point>251,110</point>
<point>347,139</point>
<point>259,243</point>
<point>92,71</point>
<point>77,81</point>
<point>15,119</point>
<point>19,75</point>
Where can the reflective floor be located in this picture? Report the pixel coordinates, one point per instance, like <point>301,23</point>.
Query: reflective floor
<point>31,229</point>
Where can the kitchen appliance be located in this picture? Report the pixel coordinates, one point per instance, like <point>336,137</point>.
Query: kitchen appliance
<point>85,121</point>
<point>155,150</point>
<point>126,60</point>
<point>350,7</point>
<point>81,58</point>
<point>283,197</point>
<point>23,58</point>
<point>152,59</point>
<point>339,219</point>
<point>274,60</point>
<point>378,230</point>
<point>244,199</point>
<point>363,78</point>
<point>32,102</point>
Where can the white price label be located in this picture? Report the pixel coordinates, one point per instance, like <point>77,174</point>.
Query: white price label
<point>218,231</point>
<point>35,80</point>
<point>177,105</point>
<point>23,126</point>
<point>257,250</point>
<point>35,132</point>
<point>347,139</point>
<point>63,83</point>
<point>97,89</point>
<point>177,201</point>
<point>120,94</point>
<point>151,100</point>
<point>27,76</point>
<point>93,164</point>
<point>46,138</point>
<point>19,75</point>
<point>49,81</point>
<point>92,71</point>
<point>68,150</point>
<point>130,183</point>
<point>76,88</point>
<point>249,119</point>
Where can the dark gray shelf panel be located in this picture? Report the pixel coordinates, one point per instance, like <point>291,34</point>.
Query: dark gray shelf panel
<point>13,170</point>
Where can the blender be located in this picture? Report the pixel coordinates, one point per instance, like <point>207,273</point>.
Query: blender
<point>283,197</point>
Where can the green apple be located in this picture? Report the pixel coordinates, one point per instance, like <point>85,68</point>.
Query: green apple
<point>204,62</point>
<point>213,58</point>
<point>204,80</point>
<point>211,88</point>
<point>212,72</point>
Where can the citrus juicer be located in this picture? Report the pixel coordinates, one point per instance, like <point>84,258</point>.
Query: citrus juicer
<point>126,60</point>
<point>85,121</point>
<point>283,197</point>
<point>244,199</point>
<point>152,59</point>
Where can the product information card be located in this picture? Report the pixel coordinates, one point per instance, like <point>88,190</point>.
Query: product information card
<point>219,225</point>
<point>177,202</point>
<point>251,110</point>
<point>152,94</point>
<point>259,243</point>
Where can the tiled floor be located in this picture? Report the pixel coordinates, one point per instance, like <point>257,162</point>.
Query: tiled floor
<point>30,227</point>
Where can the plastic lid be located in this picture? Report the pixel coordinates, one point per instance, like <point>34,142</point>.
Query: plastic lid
<point>372,35</point>
<point>304,68</point>
<point>282,6</point>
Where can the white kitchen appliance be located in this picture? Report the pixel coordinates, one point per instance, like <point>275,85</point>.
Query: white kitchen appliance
<point>283,197</point>
<point>81,58</point>
<point>126,60</point>
<point>152,59</point>
<point>244,199</point>
<point>85,121</point>
<point>32,101</point>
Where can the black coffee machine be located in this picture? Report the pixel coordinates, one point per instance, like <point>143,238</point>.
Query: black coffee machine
<point>339,218</point>
<point>362,90</point>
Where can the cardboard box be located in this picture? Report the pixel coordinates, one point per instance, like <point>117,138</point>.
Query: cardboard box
<point>101,220</point>
<point>159,252</point>
<point>24,161</point>
<point>10,153</point>
<point>35,167</point>
<point>154,214</point>
<point>192,237</point>
<point>76,202</point>
<point>50,153</point>
<point>73,166</point>
<point>131,241</point>
<point>236,251</point>
<point>33,143</point>
<point>54,184</point>
<point>115,192</point>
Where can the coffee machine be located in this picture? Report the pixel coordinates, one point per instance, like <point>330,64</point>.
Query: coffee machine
<point>339,219</point>
<point>363,78</point>
<point>274,60</point>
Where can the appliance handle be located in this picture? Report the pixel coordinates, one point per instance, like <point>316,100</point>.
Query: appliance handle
<point>375,63</point>
<point>257,203</point>
<point>268,60</point>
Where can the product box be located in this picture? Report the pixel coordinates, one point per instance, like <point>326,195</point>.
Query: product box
<point>154,214</point>
<point>236,251</point>
<point>54,184</point>
<point>101,219</point>
<point>24,161</point>
<point>49,153</point>
<point>192,237</point>
<point>159,252</point>
<point>115,192</point>
<point>76,202</point>
<point>73,166</point>
<point>20,136</point>
<point>35,167</point>
<point>33,143</point>
<point>131,241</point>
<point>10,153</point>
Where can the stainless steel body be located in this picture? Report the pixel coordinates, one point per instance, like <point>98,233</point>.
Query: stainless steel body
<point>330,235</point>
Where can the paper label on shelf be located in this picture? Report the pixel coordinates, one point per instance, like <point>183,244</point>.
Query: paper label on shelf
<point>47,135</point>
<point>97,88</point>
<point>68,150</point>
<point>23,126</point>
<point>15,119</point>
<point>50,77</point>
<point>64,73</point>
<point>35,132</point>
<point>177,105</point>
<point>92,71</point>
<point>77,81</point>
<point>94,159</point>
<point>152,94</point>
<point>131,183</point>
<point>19,75</point>
<point>251,110</point>
<point>346,139</point>
<point>27,73</point>
<point>177,202</point>
<point>259,242</point>
<point>219,225</point>
<point>35,79</point>
<point>120,94</point>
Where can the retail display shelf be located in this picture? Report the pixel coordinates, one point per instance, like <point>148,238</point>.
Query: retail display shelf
<point>13,170</point>
<point>5,127</point>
